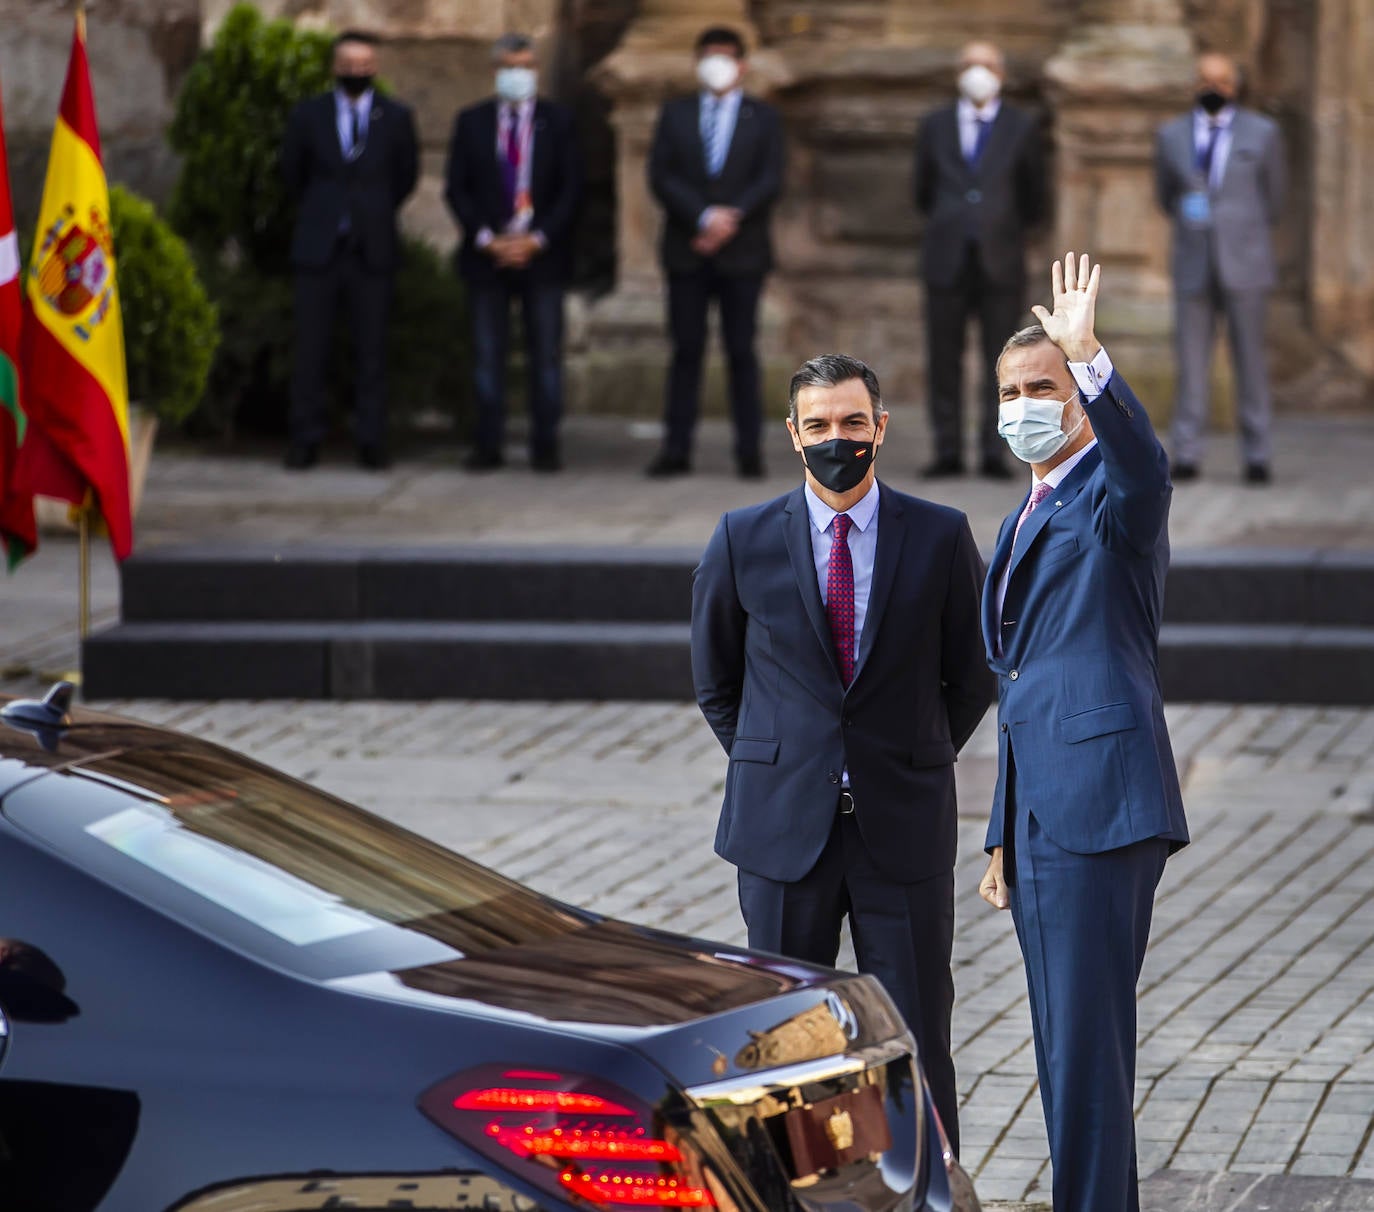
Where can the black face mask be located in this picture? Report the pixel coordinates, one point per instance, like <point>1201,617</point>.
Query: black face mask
<point>1211,100</point>
<point>839,464</point>
<point>354,86</point>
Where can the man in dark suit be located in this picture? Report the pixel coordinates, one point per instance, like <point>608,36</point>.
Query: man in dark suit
<point>349,158</point>
<point>514,182</point>
<point>1220,177</point>
<point>1087,806</point>
<point>715,165</point>
<point>980,184</point>
<point>836,656</point>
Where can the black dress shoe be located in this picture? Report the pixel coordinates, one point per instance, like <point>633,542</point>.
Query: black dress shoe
<point>943,469</point>
<point>300,456</point>
<point>1181,473</point>
<point>484,460</point>
<point>373,456</point>
<point>668,465</point>
<point>750,468</point>
<point>1257,473</point>
<point>545,461</point>
<point>994,469</point>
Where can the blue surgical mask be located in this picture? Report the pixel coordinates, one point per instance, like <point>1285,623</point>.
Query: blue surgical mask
<point>516,84</point>
<point>1034,429</point>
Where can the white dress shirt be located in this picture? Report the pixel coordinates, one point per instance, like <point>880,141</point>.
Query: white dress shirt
<point>1202,133</point>
<point>969,115</point>
<point>1091,378</point>
<point>506,113</point>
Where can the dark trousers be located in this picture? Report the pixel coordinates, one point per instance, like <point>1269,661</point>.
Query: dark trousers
<point>541,311</point>
<point>1083,921</point>
<point>689,301</point>
<point>998,309</point>
<point>903,935</point>
<point>367,296</point>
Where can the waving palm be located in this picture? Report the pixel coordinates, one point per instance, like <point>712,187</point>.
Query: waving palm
<point>1070,325</point>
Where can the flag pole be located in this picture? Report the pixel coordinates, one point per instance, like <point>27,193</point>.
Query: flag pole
<point>83,612</point>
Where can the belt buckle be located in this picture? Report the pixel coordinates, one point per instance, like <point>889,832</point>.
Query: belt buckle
<point>846,803</point>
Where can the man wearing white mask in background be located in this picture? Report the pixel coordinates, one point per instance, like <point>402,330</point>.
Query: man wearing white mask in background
<point>1087,806</point>
<point>980,185</point>
<point>715,166</point>
<point>514,181</point>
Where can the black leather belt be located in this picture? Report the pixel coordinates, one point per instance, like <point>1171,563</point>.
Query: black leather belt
<point>846,803</point>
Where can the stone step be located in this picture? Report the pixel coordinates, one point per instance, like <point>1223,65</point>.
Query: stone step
<point>389,660</point>
<point>211,583</point>
<point>621,660</point>
<point>1240,585</point>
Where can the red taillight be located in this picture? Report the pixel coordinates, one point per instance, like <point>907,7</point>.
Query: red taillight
<point>584,1137</point>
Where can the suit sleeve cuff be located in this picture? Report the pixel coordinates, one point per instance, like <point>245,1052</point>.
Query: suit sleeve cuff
<point>1092,377</point>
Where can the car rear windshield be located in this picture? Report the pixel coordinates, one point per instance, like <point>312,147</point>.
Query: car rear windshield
<point>275,867</point>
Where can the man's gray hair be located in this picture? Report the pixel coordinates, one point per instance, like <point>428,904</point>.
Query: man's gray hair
<point>1025,338</point>
<point>830,370</point>
<point>510,44</point>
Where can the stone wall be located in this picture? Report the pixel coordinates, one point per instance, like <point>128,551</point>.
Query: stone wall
<point>139,51</point>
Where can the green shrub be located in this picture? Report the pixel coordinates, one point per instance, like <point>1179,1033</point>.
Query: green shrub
<point>170,326</point>
<point>228,128</point>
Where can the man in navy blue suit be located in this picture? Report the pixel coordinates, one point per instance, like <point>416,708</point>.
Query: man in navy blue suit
<point>1087,806</point>
<point>836,656</point>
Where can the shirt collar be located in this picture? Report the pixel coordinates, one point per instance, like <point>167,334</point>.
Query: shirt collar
<point>343,101</point>
<point>729,98</point>
<point>1058,475</point>
<point>968,112</point>
<point>861,513</point>
<point>1222,118</point>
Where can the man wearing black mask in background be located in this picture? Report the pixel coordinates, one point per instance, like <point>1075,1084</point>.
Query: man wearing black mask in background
<point>837,656</point>
<point>349,158</point>
<point>1219,175</point>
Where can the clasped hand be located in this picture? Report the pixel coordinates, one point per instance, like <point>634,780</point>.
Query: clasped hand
<point>513,251</point>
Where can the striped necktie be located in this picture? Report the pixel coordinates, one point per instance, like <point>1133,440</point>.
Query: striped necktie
<point>839,595</point>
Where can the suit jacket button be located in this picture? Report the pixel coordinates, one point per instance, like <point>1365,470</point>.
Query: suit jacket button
<point>849,721</point>
<point>1014,674</point>
<point>834,776</point>
<point>1004,728</point>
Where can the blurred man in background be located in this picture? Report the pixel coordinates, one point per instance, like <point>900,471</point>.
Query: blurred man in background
<point>980,184</point>
<point>1219,171</point>
<point>514,182</point>
<point>349,159</point>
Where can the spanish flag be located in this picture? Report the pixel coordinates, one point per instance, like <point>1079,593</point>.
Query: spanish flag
<point>72,349</point>
<point>16,502</point>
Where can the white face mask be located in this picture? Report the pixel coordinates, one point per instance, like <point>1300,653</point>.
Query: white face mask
<point>718,72</point>
<point>979,84</point>
<point>516,84</point>
<point>1034,429</point>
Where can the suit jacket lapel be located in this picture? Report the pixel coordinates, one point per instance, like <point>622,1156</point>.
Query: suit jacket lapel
<point>954,148</point>
<point>1000,555</point>
<point>1240,141</point>
<point>999,135</point>
<point>1070,488</point>
<point>743,132</point>
<point>797,531</point>
<point>886,560</point>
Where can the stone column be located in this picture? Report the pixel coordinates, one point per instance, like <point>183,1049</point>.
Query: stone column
<point>1342,238</point>
<point>1126,67</point>
<point>621,367</point>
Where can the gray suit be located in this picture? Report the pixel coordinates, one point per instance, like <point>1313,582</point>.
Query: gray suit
<point>1223,261</point>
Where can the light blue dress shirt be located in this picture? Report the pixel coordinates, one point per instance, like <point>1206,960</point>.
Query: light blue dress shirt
<point>863,548</point>
<point>343,118</point>
<point>726,114</point>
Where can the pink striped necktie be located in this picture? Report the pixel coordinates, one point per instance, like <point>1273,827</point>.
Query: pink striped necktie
<point>1042,490</point>
<point>839,595</point>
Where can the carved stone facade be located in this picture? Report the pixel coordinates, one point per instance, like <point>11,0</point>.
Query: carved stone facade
<point>852,78</point>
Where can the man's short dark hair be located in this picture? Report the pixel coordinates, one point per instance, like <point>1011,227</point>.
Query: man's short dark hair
<point>722,35</point>
<point>355,35</point>
<point>510,44</point>
<point>1025,338</point>
<point>830,370</point>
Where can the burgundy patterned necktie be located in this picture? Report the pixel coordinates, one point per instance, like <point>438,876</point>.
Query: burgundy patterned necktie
<point>839,595</point>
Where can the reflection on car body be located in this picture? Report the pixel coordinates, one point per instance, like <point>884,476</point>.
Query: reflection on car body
<point>228,990</point>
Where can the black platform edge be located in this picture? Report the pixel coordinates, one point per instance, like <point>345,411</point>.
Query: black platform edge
<point>391,660</point>
<point>352,583</point>
<point>1321,666</point>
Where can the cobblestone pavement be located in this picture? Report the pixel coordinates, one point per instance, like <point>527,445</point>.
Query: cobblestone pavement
<point>1257,999</point>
